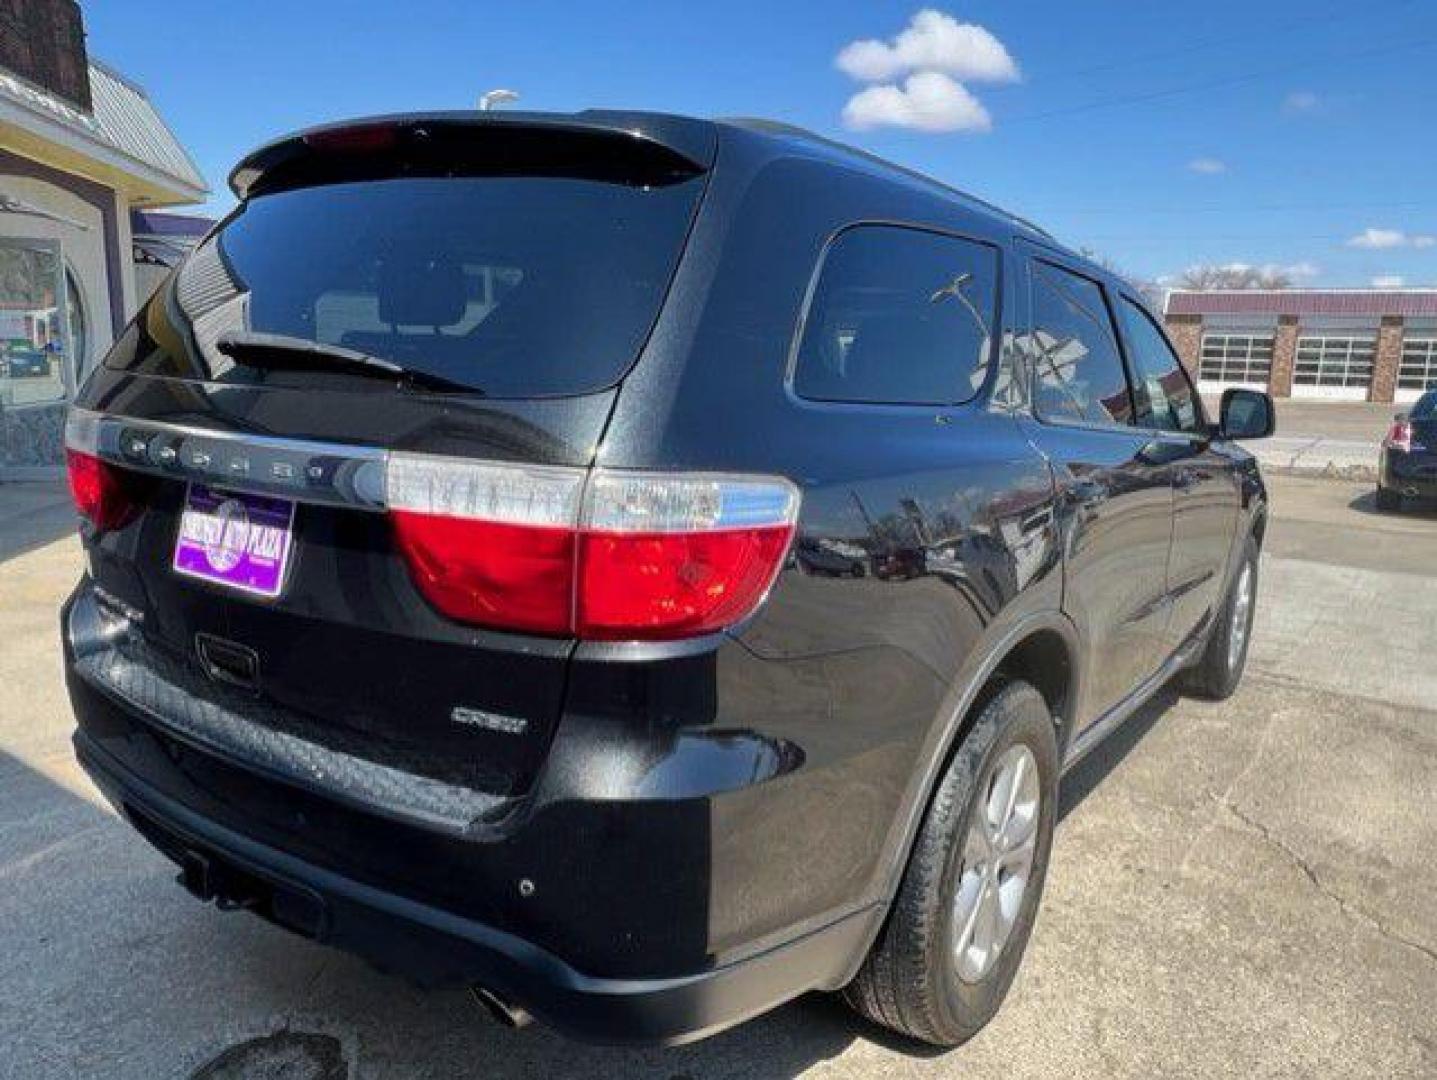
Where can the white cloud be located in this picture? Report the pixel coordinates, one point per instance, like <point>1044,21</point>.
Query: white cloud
<point>1382,239</point>
<point>1207,166</point>
<point>1388,281</point>
<point>1301,101</point>
<point>932,41</point>
<point>927,101</point>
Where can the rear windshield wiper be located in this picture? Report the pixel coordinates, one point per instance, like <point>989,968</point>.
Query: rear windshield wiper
<point>254,349</point>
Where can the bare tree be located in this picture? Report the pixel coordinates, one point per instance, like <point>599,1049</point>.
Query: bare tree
<point>1234,276</point>
<point>1148,289</point>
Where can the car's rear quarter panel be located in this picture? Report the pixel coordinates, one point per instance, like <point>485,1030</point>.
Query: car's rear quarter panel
<point>857,674</point>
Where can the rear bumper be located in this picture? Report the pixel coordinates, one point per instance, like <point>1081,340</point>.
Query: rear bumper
<point>401,935</point>
<point>614,941</point>
<point>1414,474</point>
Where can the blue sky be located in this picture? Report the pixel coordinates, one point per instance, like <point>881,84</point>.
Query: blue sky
<point>1267,132</point>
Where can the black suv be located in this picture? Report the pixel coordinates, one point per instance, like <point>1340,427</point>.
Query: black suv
<point>641,568</point>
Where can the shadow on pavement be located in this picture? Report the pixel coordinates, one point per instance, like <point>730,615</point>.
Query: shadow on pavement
<point>33,515</point>
<point>188,991</point>
<point>1366,503</point>
<point>1109,754</point>
<point>97,927</point>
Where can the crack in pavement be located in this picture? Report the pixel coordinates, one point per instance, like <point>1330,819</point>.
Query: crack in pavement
<point>1224,799</point>
<point>1347,908</point>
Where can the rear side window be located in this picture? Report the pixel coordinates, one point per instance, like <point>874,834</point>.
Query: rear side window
<point>899,316</point>
<point>1078,371</point>
<point>512,286</point>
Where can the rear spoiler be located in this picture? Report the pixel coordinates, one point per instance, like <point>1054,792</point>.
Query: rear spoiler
<point>622,146</point>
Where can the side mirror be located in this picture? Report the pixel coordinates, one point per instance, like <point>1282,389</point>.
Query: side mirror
<point>1246,414</point>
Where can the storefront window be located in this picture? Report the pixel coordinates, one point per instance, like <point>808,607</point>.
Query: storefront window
<point>33,330</point>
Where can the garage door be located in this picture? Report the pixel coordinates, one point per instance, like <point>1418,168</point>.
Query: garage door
<point>1235,359</point>
<point>1335,366</point>
<point>1418,372</point>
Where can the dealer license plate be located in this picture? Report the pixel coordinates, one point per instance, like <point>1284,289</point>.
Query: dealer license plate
<point>236,540</point>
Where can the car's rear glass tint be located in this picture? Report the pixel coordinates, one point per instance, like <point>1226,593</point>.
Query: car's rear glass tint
<point>1426,406</point>
<point>512,286</point>
<point>899,316</point>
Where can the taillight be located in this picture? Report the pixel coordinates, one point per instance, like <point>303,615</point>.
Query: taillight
<point>608,555</point>
<point>1400,437</point>
<point>101,491</point>
<point>489,544</point>
<point>675,556</point>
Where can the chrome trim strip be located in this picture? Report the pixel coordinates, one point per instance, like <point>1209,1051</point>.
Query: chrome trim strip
<point>334,474</point>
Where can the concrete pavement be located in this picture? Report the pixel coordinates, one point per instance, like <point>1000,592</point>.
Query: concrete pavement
<point>1346,421</point>
<point>32,515</point>
<point>1244,889</point>
<point>1329,438</point>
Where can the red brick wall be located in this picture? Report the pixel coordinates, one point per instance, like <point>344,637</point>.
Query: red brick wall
<point>1284,357</point>
<point>1186,334</point>
<point>1387,360</point>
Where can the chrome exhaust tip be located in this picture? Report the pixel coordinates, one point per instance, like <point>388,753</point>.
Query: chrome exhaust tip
<point>504,1013</point>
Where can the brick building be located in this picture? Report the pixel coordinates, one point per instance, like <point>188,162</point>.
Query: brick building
<point>1340,344</point>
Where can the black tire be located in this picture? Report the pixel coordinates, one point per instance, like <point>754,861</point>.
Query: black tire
<point>1218,672</point>
<point>910,981</point>
<point>1388,501</point>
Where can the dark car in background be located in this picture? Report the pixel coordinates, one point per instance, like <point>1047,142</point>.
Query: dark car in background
<point>25,363</point>
<point>831,557</point>
<point>476,527</point>
<point>1408,465</point>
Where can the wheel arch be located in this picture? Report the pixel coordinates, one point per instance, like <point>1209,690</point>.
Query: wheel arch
<point>1027,649</point>
<point>1048,661</point>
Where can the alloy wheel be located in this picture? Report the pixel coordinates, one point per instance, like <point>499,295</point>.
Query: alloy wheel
<point>998,854</point>
<point>1241,618</point>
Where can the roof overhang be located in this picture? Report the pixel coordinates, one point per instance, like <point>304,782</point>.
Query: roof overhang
<point>42,128</point>
<point>1347,303</point>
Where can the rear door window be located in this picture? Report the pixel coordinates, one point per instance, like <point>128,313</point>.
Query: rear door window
<point>899,316</point>
<point>1165,396</point>
<point>514,286</point>
<point>1078,372</point>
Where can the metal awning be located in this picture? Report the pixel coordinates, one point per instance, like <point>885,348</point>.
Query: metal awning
<point>124,138</point>
<point>1348,303</point>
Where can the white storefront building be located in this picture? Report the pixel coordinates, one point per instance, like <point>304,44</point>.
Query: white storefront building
<point>75,161</point>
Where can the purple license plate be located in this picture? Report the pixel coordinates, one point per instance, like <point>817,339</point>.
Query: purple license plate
<point>232,539</point>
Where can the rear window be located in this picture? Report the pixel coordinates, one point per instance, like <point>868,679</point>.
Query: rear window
<point>510,286</point>
<point>1426,406</point>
